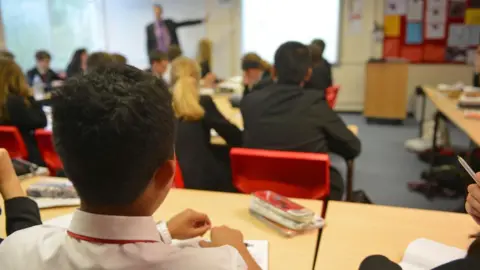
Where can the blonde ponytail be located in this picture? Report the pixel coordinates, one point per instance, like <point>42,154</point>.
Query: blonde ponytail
<point>186,92</point>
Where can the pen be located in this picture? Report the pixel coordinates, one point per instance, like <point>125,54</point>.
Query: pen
<point>468,169</point>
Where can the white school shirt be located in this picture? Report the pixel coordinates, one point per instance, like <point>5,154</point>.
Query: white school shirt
<point>47,247</point>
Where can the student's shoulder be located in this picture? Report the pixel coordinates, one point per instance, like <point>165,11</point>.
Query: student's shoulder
<point>206,100</point>
<point>26,239</point>
<point>32,71</point>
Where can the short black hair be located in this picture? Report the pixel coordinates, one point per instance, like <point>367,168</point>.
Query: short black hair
<point>157,56</point>
<point>292,61</point>
<point>113,128</point>
<point>98,59</point>
<point>42,55</point>
<point>320,43</point>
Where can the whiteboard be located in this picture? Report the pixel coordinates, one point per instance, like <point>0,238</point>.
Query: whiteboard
<point>266,24</point>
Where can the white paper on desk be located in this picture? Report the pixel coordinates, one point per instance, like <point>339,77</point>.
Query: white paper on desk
<point>415,10</point>
<point>435,30</point>
<point>424,254</point>
<point>436,11</point>
<point>395,7</point>
<point>259,251</point>
<point>61,221</point>
<point>458,35</point>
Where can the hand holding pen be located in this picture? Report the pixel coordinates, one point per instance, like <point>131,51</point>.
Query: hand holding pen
<point>472,205</point>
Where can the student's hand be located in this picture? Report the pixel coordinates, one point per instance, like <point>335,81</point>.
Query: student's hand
<point>9,183</point>
<point>473,201</point>
<point>209,80</point>
<point>222,236</point>
<point>188,224</point>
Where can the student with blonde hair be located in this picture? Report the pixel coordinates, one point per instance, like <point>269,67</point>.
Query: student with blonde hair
<point>19,108</point>
<point>197,115</point>
<point>204,59</point>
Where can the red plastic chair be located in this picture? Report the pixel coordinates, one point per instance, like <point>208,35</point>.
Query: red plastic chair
<point>291,174</point>
<point>12,141</point>
<point>45,146</point>
<point>178,178</point>
<point>331,95</point>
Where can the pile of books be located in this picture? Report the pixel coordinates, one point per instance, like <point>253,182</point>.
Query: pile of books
<point>282,214</point>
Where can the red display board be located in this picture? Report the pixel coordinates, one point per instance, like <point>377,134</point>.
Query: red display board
<point>432,31</point>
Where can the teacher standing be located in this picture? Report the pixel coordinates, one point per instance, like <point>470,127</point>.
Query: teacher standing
<point>163,33</point>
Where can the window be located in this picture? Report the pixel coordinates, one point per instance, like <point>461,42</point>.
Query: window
<point>268,23</point>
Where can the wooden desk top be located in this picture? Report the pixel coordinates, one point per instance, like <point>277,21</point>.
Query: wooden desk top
<point>356,231</point>
<point>234,116</point>
<point>449,108</point>
<point>225,209</point>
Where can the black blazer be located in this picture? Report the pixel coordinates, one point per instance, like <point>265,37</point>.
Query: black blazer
<point>321,77</point>
<point>172,30</point>
<point>26,118</point>
<point>21,213</point>
<point>200,169</point>
<point>47,79</point>
<point>288,117</point>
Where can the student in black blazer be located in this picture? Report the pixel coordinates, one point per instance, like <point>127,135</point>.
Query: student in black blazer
<point>19,108</point>
<point>42,70</point>
<point>286,116</point>
<point>321,78</point>
<point>21,212</point>
<point>163,33</point>
<point>256,74</point>
<point>197,116</point>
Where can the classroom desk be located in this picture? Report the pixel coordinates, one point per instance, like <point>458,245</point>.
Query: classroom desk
<point>355,231</point>
<point>448,107</point>
<point>226,209</point>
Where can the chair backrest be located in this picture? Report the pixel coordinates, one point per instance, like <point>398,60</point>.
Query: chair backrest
<point>178,178</point>
<point>291,174</point>
<point>12,141</point>
<point>331,95</point>
<point>47,150</point>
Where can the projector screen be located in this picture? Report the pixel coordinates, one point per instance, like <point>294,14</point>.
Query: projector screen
<point>268,23</point>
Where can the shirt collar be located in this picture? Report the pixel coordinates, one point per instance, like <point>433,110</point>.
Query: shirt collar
<point>114,227</point>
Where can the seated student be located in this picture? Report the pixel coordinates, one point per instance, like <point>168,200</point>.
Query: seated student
<point>20,211</point>
<point>98,59</point>
<point>320,78</point>
<point>204,59</point>
<point>285,116</point>
<point>197,115</point>
<point>78,63</point>
<point>19,108</point>
<point>42,71</point>
<point>472,261</point>
<point>321,44</point>
<point>253,73</point>
<point>158,63</point>
<point>173,53</point>
<point>114,132</point>
<point>118,58</point>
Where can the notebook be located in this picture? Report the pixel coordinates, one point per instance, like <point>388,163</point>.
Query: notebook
<point>424,254</point>
<point>258,248</point>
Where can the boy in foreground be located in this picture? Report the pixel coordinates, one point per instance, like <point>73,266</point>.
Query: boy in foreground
<point>114,131</point>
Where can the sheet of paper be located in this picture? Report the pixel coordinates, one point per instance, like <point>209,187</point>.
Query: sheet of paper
<point>427,254</point>
<point>259,251</point>
<point>395,7</point>
<point>474,35</point>
<point>472,16</point>
<point>392,26</point>
<point>436,11</point>
<point>414,33</point>
<point>61,221</point>
<point>458,35</point>
<point>471,55</point>
<point>415,10</point>
<point>435,30</point>
<point>457,8</point>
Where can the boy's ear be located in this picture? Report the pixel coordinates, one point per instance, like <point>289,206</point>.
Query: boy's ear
<point>164,174</point>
